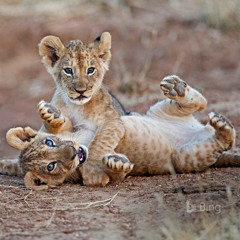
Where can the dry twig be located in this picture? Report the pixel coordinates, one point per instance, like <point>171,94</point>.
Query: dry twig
<point>67,208</point>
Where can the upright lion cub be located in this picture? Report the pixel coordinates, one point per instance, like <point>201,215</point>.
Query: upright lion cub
<point>78,70</point>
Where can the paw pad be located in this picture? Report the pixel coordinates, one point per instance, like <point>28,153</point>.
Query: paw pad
<point>50,114</point>
<point>118,163</point>
<point>173,86</point>
<point>219,122</point>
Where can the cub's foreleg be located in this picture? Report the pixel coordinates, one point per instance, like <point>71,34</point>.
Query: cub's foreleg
<point>199,156</point>
<point>182,99</point>
<point>54,121</point>
<point>94,172</point>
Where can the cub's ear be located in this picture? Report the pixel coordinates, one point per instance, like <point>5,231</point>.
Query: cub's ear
<point>33,182</point>
<point>20,138</point>
<point>50,49</point>
<point>104,46</point>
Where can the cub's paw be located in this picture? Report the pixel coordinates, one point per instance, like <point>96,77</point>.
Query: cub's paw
<point>50,114</point>
<point>224,129</point>
<point>173,87</point>
<point>219,122</point>
<point>118,163</point>
<point>94,177</point>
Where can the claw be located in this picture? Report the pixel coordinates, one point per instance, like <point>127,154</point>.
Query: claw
<point>50,114</point>
<point>118,162</point>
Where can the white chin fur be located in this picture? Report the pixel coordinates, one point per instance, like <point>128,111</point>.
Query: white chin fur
<point>80,102</point>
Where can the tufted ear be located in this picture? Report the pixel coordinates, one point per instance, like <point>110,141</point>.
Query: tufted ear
<point>20,138</point>
<point>33,182</point>
<point>50,49</point>
<point>104,46</point>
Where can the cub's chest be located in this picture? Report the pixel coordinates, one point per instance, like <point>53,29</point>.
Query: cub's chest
<point>80,121</point>
<point>84,129</point>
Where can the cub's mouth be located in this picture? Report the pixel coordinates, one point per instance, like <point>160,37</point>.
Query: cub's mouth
<point>80,100</point>
<point>82,155</point>
<point>80,97</point>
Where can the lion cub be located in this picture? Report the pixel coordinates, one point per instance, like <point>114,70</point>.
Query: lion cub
<point>78,70</point>
<point>44,156</point>
<point>168,139</point>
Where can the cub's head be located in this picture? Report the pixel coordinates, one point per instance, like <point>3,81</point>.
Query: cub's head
<point>77,68</point>
<point>46,160</point>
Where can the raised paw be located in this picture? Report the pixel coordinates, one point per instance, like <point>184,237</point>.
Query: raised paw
<point>219,122</point>
<point>173,87</point>
<point>118,163</point>
<point>50,114</point>
<point>224,129</point>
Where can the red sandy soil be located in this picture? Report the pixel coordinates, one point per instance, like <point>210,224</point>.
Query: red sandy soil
<point>150,41</point>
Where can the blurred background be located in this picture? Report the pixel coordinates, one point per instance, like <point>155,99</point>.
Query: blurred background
<point>197,40</point>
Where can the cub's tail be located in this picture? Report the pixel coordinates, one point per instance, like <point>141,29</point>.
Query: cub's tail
<point>10,167</point>
<point>228,159</point>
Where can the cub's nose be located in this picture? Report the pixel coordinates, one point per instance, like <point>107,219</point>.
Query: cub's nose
<point>69,152</point>
<point>80,91</point>
<point>80,87</point>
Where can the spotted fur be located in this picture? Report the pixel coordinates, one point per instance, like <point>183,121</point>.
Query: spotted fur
<point>168,139</point>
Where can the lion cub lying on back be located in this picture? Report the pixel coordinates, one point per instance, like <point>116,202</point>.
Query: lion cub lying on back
<point>167,139</point>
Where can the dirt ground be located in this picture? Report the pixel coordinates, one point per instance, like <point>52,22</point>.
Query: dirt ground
<point>151,39</point>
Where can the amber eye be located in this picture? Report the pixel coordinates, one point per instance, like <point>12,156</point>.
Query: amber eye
<point>91,71</point>
<point>49,143</point>
<point>51,166</point>
<point>68,71</point>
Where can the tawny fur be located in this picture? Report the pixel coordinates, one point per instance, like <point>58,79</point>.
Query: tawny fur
<point>82,98</point>
<point>168,139</point>
<point>65,156</point>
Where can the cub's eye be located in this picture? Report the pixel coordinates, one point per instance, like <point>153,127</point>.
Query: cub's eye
<point>51,166</point>
<point>68,71</point>
<point>91,71</point>
<point>49,143</point>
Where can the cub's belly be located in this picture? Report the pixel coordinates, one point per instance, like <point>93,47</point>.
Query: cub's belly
<point>146,146</point>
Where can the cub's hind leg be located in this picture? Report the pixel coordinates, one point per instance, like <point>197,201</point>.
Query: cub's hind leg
<point>199,156</point>
<point>54,121</point>
<point>182,100</point>
<point>224,131</point>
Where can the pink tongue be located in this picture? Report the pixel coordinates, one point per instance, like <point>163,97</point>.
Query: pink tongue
<point>80,155</point>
